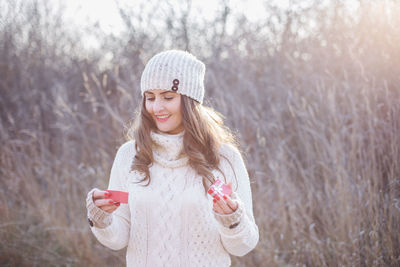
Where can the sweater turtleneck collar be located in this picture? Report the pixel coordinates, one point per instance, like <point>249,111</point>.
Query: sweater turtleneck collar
<point>168,149</point>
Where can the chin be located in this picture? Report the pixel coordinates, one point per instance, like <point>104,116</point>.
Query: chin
<point>169,128</point>
<point>165,129</point>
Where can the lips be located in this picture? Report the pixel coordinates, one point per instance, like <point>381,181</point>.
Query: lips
<point>162,118</point>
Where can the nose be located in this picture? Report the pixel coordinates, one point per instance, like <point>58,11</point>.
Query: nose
<point>158,106</point>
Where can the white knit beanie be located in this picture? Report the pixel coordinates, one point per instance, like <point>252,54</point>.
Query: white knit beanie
<point>175,70</point>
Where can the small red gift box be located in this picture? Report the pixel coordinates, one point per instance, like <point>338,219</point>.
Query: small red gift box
<point>219,189</point>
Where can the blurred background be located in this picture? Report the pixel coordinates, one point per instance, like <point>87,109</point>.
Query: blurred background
<point>311,87</point>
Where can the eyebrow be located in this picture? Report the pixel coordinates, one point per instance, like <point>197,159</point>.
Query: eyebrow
<point>166,92</point>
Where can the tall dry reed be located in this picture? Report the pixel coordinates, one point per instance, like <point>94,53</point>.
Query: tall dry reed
<point>316,109</point>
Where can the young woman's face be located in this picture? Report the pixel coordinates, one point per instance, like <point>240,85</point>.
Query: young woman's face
<point>165,109</point>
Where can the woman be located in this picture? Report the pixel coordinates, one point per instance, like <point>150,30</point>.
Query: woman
<point>179,148</point>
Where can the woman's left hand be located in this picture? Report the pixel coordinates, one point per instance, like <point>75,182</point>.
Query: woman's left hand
<point>226,205</point>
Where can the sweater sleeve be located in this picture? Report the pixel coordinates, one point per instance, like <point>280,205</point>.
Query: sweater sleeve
<point>116,235</point>
<point>244,237</point>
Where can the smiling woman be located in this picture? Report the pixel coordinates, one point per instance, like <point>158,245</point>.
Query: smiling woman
<point>165,109</point>
<point>179,149</point>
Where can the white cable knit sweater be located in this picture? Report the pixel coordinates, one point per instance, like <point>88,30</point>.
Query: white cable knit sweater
<point>171,221</point>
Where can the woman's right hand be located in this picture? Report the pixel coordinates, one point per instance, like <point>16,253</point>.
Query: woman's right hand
<point>100,200</point>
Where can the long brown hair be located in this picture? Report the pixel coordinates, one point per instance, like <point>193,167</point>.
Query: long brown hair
<point>204,133</point>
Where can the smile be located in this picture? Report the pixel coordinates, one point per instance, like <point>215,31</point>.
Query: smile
<point>162,118</point>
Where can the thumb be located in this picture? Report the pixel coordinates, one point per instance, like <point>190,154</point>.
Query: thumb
<point>230,185</point>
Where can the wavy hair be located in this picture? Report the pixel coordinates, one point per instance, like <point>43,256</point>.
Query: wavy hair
<point>204,133</point>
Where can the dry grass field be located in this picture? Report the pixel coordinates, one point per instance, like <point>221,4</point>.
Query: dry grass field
<point>313,94</point>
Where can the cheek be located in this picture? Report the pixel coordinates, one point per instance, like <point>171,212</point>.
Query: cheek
<point>178,116</point>
<point>148,107</point>
<point>177,108</point>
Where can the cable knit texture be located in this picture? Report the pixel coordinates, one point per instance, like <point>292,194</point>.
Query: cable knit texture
<point>228,220</point>
<point>171,221</point>
<point>175,65</point>
<point>99,217</point>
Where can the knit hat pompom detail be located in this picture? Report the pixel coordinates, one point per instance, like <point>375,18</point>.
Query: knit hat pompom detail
<point>177,71</point>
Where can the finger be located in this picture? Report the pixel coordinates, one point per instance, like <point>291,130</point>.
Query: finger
<point>104,202</point>
<point>98,194</point>
<point>231,203</point>
<point>216,207</point>
<point>110,209</point>
<point>224,207</point>
<point>230,185</point>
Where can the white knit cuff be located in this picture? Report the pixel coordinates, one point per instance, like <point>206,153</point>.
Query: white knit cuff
<point>231,220</point>
<point>99,217</point>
